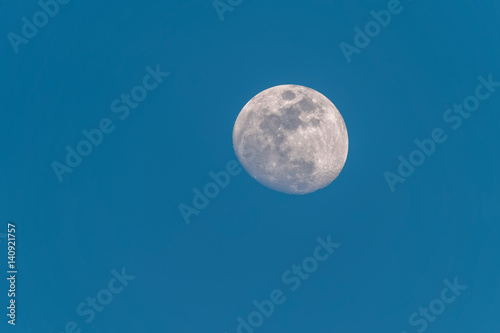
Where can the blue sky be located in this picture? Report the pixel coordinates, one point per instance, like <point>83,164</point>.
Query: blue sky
<point>118,208</point>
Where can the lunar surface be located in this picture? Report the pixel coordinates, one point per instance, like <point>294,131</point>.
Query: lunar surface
<point>291,139</point>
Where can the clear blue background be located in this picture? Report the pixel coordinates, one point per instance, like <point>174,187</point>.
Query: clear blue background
<point>119,208</point>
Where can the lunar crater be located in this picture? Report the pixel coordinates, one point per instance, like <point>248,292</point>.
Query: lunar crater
<point>288,95</point>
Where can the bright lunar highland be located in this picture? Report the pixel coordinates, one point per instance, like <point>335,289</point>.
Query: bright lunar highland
<point>291,139</point>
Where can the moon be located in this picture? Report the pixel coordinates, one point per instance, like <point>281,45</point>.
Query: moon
<point>291,139</point>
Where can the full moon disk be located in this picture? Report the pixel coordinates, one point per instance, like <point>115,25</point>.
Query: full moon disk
<point>291,139</point>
